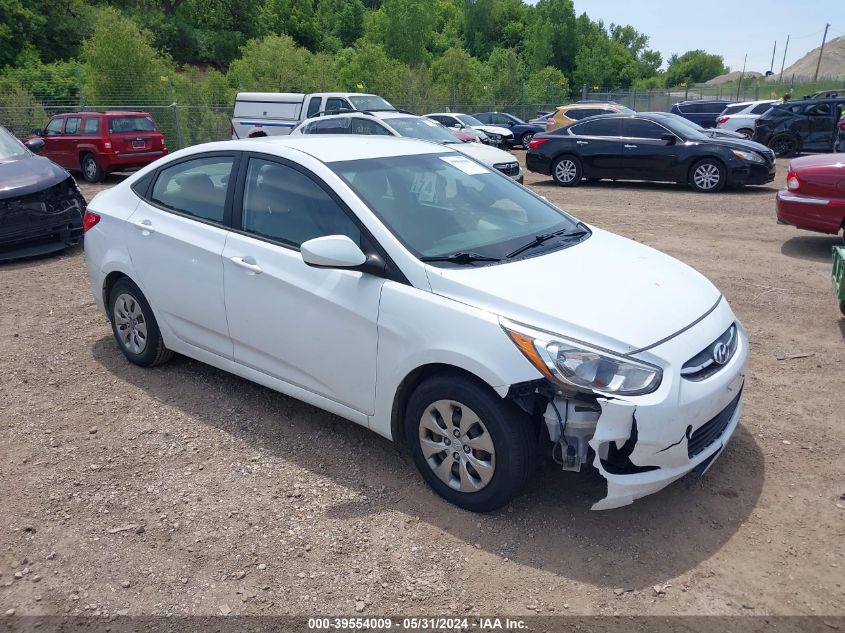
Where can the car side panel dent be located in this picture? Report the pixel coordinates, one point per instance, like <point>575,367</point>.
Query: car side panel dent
<point>418,328</point>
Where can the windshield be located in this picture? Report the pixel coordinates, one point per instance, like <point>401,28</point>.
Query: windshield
<point>370,102</point>
<point>439,205</point>
<point>468,120</point>
<point>131,124</point>
<point>10,147</point>
<point>425,129</point>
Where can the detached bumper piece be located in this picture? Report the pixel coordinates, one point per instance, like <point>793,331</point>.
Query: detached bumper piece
<point>42,222</point>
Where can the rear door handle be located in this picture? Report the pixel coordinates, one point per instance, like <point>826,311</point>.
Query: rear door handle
<point>247,263</point>
<point>145,226</point>
<point>582,142</point>
<point>630,147</point>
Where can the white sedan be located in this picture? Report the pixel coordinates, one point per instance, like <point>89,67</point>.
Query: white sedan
<point>395,123</point>
<point>405,287</point>
<point>496,134</point>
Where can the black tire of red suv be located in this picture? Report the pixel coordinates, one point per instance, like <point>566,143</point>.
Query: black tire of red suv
<point>91,171</point>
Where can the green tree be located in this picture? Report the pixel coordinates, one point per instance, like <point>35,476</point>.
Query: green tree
<point>696,66</point>
<point>409,29</point>
<point>290,17</point>
<point>276,64</point>
<point>341,19</point>
<point>547,86</point>
<point>552,38</point>
<point>120,66</point>
<point>369,66</point>
<point>458,78</point>
<point>504,77</point>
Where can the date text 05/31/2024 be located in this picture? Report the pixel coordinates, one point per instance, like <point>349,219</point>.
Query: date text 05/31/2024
<point>414,624</point>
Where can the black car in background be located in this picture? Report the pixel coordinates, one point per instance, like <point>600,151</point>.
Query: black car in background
<point>522,132</point>
<point>648,147</point>
<point>804,125</point>
<point>701,111</point>
<point>41,207</point>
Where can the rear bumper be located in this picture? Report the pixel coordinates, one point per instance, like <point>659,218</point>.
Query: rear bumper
<point>823,215</point>
<point>115,161</point>
<point>538,163</point>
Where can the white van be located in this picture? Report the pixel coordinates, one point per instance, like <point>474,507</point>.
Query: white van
<point>277,113</point>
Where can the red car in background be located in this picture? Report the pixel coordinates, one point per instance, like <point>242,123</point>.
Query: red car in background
<point>815,195</point>
<point>462,136</point>
<point>97,143</point>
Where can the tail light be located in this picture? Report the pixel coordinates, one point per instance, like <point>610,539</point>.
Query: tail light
<point>721,119</point>
<point>89,221</point>
<point>793,183</point>
<point>536,142</point>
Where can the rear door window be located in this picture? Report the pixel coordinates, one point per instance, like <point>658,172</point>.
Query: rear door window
<point>339,125</point>
<point>130,124</point>
<point>599,127</point>
<point>642,128</point>
<point>91,126</point>
<point>761,108</point>
<point>368,127</point>
<point>818,109</point>
<point>195,187</point>
<point>734,109</point>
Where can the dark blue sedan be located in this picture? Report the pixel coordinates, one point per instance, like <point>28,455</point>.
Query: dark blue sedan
<point>522,132</point>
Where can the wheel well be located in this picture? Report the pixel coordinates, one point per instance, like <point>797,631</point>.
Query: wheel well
<point>85,153</point>
<point>410,383</point>
<point>746,129</point>
<point>111,279</point>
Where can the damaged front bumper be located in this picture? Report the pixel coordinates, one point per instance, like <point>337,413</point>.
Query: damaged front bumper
<point>642,444</point>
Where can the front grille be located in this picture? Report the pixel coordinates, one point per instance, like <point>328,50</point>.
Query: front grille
<point>712,430</point>
<point>508,169</point>
<point>713,357</point>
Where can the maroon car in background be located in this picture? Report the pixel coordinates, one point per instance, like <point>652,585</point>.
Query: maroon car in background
<point>97,143</point>
<point>815,195</point>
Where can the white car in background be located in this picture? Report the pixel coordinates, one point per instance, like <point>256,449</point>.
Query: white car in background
<point>411,126</point>
<point>740,117</point>
<point>405,287</point>
<point>497,135</point>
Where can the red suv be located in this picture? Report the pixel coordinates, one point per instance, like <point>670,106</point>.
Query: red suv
<point>101,142</point>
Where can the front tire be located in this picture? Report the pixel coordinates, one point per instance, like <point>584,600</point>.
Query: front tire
<point>91,171</point>
<point>473,448</point>
<point>567,171</point>
<point>708,176</point>
<point>134,326</point>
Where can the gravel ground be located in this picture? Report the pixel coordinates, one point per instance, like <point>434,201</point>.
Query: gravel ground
<point>185,490</point>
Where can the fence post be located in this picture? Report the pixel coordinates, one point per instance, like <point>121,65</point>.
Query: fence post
<point>584,93</point>
<point>176,124</point>
<point>80,86</point>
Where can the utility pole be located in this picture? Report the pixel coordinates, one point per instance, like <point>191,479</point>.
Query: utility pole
<point>772,66</point>
<point>741,77</point>
<point>821,50</point>
<point>786,48</point>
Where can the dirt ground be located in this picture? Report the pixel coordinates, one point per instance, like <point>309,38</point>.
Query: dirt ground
<point>185,490</point>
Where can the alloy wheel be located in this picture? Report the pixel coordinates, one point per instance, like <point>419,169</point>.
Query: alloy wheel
<point>706,176</point>
<point>130,323</point>
<point>457,446</point>
<point>526,139</point>
<point>90,169</point>
<point>566,171</point>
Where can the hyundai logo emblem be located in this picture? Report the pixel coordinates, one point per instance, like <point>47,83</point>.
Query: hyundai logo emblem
<point>721,353</point>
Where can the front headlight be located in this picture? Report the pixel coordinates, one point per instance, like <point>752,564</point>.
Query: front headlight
<point>581,367</point>
<point>751,157</point>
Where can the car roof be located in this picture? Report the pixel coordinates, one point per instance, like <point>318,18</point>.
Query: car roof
<point>332,148</point>
<point>688,101</point>
<point>107,113</point>
<point>591,104</point>
<point>446,114</point>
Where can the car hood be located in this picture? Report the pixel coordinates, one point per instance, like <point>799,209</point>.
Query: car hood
<point>606,290</point>
<point>741,143</point>
<point>484,153</point>
<point>493,129</point>
<point>27,175</point>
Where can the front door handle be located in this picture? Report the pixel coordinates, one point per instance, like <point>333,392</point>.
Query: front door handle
<point>145,226</point>
<point>247,263</point>
<point>582,142</point>
<point>630,147</point>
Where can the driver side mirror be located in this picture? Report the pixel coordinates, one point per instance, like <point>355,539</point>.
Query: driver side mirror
<point>332,251</point>
<point>670,139</point>
<point>34,145</point>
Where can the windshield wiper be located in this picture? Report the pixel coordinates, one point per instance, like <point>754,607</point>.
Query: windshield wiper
<point>541,239</point>
<point>461,258</point>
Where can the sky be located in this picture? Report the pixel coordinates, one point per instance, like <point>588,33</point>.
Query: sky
<point>728,28</point>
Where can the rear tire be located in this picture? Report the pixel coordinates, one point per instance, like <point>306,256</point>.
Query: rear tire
<point>567,171</point>
<point>91,171</point>
<point>749,134</point>
<point>525,139</point>
<point>784,145</point>
<point>134,326</point>
<point>473,448</point>
<point>708,176</point>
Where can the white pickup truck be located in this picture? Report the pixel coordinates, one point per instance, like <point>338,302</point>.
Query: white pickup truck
<point>277,113</point>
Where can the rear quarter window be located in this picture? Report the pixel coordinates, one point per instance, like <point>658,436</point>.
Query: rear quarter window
<point>129,124</point>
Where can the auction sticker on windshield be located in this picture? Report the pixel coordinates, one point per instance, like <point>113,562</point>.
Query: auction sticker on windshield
<point>467,166</point>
